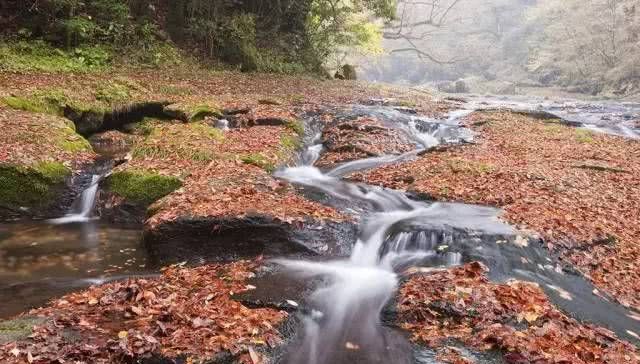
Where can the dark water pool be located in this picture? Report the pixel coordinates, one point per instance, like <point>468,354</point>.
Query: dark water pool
<point>39,261</point>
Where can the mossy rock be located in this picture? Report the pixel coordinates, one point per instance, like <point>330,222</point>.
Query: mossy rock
<point>18,329</point>
<point>142,187</point>
<point>258,160</point>
<point>31,186</point>
<point>191,113</point>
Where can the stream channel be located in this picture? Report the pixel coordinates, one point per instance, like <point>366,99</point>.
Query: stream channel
<point>339,299</point>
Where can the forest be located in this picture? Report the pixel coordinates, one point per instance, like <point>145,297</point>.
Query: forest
<point>588,47</point>
<point>319,182</point>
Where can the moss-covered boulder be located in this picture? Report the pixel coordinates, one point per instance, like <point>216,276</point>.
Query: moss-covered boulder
<point>142,187</point>
<point>187,112</point>
<point>35,187</point>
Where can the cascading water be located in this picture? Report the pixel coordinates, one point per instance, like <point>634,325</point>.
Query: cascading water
<point>83,208</point>
<point>344,323</point>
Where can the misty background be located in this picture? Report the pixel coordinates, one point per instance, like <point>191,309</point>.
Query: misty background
<point>589,47</point>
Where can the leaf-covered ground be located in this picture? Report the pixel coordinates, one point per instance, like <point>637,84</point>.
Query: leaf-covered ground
<point>516,318</point>
<point>576,188</point>
<point>361,138</point>
<point>29,138</point>
<point>187,312</point>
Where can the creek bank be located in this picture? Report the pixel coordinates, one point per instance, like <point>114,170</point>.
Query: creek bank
<point>186,313</point>
<point>515,318</point>
<point>39,157</point>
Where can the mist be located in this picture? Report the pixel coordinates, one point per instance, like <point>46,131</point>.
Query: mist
<point>590,48</point>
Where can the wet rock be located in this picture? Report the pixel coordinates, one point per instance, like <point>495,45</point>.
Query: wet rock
<point>361,138</point>
<point>198,239</point>
<point>187,112</point>
<point>92,121</point>
<point>111,143</point>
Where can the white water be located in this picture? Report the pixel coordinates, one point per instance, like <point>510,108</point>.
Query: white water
<point>344,323</point>
<point>83,208</point>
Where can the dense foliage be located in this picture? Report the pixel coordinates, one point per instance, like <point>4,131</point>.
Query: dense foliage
<point>278,36</point>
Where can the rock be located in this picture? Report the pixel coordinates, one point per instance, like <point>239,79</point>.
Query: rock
<point>346,72</point>
<point>191,112</point>
<point>198,239</point>
<point>461,87</point>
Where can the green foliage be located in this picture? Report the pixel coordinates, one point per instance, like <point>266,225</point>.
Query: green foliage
<point>239,42</point>
<point>30,186</point>
<point>141,186</point>
<point>29,56</point>
<point>334,25</point>
<point>289,36</point>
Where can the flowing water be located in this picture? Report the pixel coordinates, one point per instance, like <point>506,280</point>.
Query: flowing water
<point>39,261</point>
<point>342,323</point>
<point>46,259</point>
<point>616,118</point>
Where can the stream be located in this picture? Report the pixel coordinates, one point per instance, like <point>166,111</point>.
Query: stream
<point>341,318</point>
<point>343,321</point>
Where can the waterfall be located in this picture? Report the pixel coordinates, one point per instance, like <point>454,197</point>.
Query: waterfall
<point>82,208</point>
<point>343,325</point>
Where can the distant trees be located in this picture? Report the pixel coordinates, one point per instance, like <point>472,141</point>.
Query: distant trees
<point>594,43</point>
<point>588,46</point>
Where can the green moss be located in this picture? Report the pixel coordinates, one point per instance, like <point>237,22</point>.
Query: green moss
<point>553,128</point>
<point>297,126</point>
<point>72,142</point>
<point>18,329</point>
<point>202,111</point>
<point>258,160</point>
<point>191,113</point>
<point>54,172</point>
<point>172,90</point>
<point>465,166</point>
<point>208,131</point>
<point>142,187</point>
<point>30,104</point>
<point>406,103</point>
<point>290,142</point>
<point>584,136</point>
<point>30,186</point>
<point>112,93</point>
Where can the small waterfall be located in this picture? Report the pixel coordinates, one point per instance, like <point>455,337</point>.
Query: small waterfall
<point>82,209</point>
<point>343,325</point>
